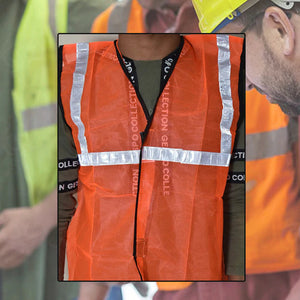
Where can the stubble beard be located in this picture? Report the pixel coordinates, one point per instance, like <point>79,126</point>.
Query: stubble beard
<point>281,83</point>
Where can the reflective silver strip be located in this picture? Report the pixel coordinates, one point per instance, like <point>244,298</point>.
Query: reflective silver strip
<point>186,156</point>
<point>268,144</point>
<point>225,92</point>
<point>39,117</point>
<point>82,54</point>
<point>52,19</point>
<point>110,158</point>
<point>157,154</point>
<point>118,19</point>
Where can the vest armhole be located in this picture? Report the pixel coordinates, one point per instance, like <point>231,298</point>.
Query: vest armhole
<point>60,105</point>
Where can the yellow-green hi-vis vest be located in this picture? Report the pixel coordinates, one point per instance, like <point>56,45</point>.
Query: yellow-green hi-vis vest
<point>35,94</point>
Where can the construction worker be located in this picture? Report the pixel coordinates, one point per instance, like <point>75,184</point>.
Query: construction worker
<point>271,258</point>
<point>276,54</point>
<point>144,266</point>
<point>222,18</point>
<point>272,29</point>
<point>28,150</point>
<point>154,16</point>
<point>288,166</point>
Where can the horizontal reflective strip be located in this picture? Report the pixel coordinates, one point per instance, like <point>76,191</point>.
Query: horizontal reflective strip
<point>157,154</point>
<point>109,158</point>
<point>267,144</point>
<point>186,156</point>
<point>39,117</point>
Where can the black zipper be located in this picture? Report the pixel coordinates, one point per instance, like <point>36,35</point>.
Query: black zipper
<point>134,81</point>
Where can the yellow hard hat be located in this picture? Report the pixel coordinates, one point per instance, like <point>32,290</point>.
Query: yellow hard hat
<point>214,14</point>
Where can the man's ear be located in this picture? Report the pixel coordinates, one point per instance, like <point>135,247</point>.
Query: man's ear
<point>276,19</point>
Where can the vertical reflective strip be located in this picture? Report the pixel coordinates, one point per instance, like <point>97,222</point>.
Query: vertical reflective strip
<point>82,54</point>
<point>52,8</point>
<point>225,92</point>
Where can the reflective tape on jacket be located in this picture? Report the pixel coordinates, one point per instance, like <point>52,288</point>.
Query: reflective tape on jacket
<point>271,143</point>
<point>272,199</point>
<point>39,117</point>
<point>34,95</point>
<point>150,187</point>
<point>155,153</point>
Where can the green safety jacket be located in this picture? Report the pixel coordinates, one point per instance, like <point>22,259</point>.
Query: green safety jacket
<point>34,95</point>
<point>28,137</point>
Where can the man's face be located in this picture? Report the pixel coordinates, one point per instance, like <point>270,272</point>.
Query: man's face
<point>272,76</point>
<point>268,72</point>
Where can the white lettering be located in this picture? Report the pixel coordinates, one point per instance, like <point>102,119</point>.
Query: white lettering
<point>134,136</point>
<point>135,180</point>
<point>239,177</point>
<point>164,138</point>
<point>68,164</point>
<point>239,155</point>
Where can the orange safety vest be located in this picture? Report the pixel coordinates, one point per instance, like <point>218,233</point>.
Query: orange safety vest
<point>134,23</point>
<point>125,16</point>
<point>272,200</point>
<point>150,188</point>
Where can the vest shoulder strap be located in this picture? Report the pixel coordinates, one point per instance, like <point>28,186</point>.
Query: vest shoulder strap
<point>114,19</point>
<point>100,24</point>
<point>121,17</point>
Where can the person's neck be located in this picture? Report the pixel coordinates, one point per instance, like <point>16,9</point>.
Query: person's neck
<point>148,46</point>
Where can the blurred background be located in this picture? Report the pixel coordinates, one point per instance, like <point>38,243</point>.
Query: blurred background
<point>28,242</point>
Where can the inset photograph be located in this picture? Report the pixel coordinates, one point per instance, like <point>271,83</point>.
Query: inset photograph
<point>151,157</point>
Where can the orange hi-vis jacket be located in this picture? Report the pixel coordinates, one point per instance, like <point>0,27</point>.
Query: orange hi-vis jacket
<point>125,16</point>
<point>150,187</point>
<point>272,199</point>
